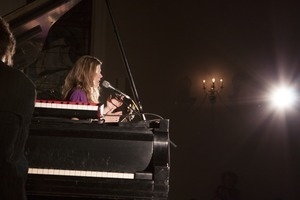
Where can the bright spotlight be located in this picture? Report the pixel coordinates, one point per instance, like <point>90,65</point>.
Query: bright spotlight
<point>283,97</point>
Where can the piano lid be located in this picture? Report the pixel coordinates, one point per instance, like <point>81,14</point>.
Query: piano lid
<point>50,36</point>
<point>30,25</point>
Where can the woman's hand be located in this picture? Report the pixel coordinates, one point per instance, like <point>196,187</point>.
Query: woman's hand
<point>111,105</point>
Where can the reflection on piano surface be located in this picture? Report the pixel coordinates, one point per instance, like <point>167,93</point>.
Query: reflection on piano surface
<point>80,158</point>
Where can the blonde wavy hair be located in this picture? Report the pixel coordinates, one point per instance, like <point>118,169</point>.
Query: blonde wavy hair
<point>81,76</point>
<point>7,43</point>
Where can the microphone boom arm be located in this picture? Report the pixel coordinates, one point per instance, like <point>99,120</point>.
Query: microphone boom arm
<point>132,85</point>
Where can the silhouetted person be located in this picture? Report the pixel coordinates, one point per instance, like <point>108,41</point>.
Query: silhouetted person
<point>16,108</point>
<point>227,190</point>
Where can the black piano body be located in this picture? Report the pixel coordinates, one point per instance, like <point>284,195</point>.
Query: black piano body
<point>128,160</point>
<point>81,159</point>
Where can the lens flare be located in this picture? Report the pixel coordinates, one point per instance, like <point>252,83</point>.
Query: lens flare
<point>283,97</point>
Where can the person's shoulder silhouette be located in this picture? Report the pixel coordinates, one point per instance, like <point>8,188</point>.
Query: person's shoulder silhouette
<point>227,190</point>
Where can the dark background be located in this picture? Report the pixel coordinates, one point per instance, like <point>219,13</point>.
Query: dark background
<point>171,46</point>
<point>253,46</point>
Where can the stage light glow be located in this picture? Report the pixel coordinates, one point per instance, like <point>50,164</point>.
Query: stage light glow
<point>283,97</point>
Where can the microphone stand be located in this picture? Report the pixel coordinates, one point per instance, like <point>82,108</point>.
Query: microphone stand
<point>132,85</point>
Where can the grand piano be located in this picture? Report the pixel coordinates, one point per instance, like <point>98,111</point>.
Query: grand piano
<point>81,159</point>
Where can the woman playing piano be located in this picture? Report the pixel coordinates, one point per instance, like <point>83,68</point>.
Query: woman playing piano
<point>82,85</point>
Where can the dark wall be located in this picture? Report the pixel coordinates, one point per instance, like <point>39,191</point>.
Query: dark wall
<point>172,46</point>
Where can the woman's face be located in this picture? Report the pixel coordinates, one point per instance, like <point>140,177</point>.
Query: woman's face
<point>97,76</point>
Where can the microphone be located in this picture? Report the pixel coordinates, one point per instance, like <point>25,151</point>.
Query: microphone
<point>106,84</point>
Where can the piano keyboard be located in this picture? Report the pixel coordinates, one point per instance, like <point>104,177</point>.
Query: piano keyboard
<point>65,105</point>
<point>98,174</point>
<point>67,109</point>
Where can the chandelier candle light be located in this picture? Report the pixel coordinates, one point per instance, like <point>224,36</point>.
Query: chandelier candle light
<point>212,91</point>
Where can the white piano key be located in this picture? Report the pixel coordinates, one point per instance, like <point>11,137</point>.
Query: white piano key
<point>77,173</point>
<point>50,171</point>
<point>80,173</point>
<point>96,174</point>
<point>88,173</point>
<point>37,104</point>
<point>45,171</point>
<point>72,172</point>
<point>80,107</point>
<point>62,172</point>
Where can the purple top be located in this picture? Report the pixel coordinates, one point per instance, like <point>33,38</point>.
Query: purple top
<point>77,95</point>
